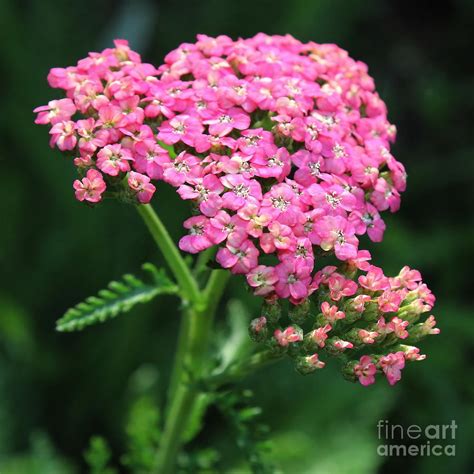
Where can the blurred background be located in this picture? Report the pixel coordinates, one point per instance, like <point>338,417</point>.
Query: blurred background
<point>56,390</point>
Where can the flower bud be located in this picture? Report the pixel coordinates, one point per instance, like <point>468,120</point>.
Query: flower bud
<point>288,336</point>
<point>300,312</point>
<point>412,353</point>
<point>271,311</point>
<point>307,364</point>
<point>316,338</point>
<point>421,330</point>
<point>258,329</point>
<point>336,346</point>
<point>371,311</point>
<point>412,311</point>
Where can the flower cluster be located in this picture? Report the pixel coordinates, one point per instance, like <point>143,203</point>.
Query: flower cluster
<point>370,322</point>
<point>283,147</point>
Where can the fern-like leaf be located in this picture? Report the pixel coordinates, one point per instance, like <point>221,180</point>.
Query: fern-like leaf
<point>118,297</point>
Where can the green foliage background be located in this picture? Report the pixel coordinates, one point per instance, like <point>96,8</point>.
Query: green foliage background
<point>56,389</point>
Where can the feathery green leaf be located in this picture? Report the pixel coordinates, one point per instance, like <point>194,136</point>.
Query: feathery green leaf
<point>118,297</point>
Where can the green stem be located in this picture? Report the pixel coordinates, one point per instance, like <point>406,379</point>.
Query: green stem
<point>191,356</point>
<point>189,367</point>
<point>242,368</point>
<point>181,271</point>
<point>202,260</point>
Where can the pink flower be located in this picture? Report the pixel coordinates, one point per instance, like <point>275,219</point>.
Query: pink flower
<point>413,353</point>
<point>334,199</point>
<point>288,336</point>
<point>91,136</point>
<point>243,191</point>
<point>429,328</point>
<point>141,185</point>
<point>223,226</point>
<point>292,281</point>
<point>314,362</point>
<point>407,278</point>
<point>228,120</point>
<point>113,159</point>
<point>392,365</point>
<point>184,167</point>
<point>340,286</point>
<point>56,111</point>
<point>398,326</point>
<point>63,135</point>
<point>336,233</point>
<point>183,128</point>
<point>280,237</point>
<point>198,238</point>
<point>365,370</point>
<point>319,335</point>
<point>240,254</point>
<point>331,313</point>
<point>389,301</point>
<point>262,278</point>
<point>206,191</point>
<point>375,280</point>
<point>341,345</point>
<point>91,187</point>
<point>358,303</point>
<point>367,337</point>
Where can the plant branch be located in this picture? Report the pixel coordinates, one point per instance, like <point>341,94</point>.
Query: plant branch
<point>181,271</point>
<point>242,368</point>
<point>190,364</point>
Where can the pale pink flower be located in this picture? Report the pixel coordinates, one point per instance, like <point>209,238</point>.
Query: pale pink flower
<point>63,135</point>
<point>399,327</point>
<point>389,301</point>
<point>374,280</point>
<point>56,111</point>
<point>140,184</point>
<point>392,365</point>
<point>341,345</point>
<point>367,337</point>
<point>314,362</point>
<point>340,286</point>
<point>336,233</point>
<point>290,335</point>
<point>183,128</point>
<point>319,335</point>
<point>113,159</point>
<point>365,370</point>
<point>91,187</point>
<point>331,312</point>
<point>262,278</point>
<point>412,353</point>
<point>428,326</point>
<point>239,254</point>
<point>198,238</point>
<point>359,302</point>
<point>293,280</point>
<point>228,120</point>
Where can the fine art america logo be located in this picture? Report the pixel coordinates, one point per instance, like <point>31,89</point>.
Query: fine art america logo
<point>416,440</point>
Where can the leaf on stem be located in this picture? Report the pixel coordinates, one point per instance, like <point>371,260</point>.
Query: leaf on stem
<point>118,297</point>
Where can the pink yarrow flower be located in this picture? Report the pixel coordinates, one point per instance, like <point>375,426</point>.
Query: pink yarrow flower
<point>365,370</point>
<point>392,365</point>
<point>91,187</point>
<point>141,185</point>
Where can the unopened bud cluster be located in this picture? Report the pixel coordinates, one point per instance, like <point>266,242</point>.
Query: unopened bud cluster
<point>370,322</point>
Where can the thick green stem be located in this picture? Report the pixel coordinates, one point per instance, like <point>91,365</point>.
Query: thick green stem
<point>181,271</point>
<point>191,356</point>
<point>189,367</point>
